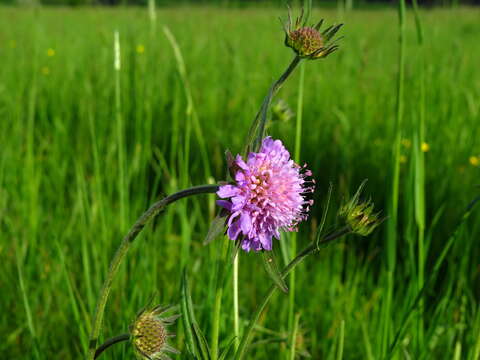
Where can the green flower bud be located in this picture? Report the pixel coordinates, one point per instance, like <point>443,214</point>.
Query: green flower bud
<point>149,333</point>
<point>358,215</point>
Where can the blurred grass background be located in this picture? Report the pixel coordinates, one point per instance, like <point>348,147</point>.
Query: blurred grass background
<point>79,165</point>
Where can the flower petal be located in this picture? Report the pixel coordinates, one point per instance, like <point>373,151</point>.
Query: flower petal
<point>266,241</point>
<point>225,204</point>
<point>226,191</point>
<point>234,230</point>
<point>245,222</point>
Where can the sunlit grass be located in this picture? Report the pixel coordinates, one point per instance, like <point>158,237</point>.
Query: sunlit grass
<point>83,155</point>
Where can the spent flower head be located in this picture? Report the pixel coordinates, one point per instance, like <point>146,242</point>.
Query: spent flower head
<point>149,333</point>
<point>307,41</point>
<point>268,195</point>
<point>358,215</point>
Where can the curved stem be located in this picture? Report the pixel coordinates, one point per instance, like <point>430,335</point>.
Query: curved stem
<point>236,318</point>
<point>310,249</point>
<point>110,342</point>
<point>257,130</point>
<point>293,240</point>
<point>148,215</point>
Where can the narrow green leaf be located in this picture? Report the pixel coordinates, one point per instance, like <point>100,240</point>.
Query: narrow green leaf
<point>273,271</point>
<point>341,340</point>
<point>201,341</point>
<point>419,183</point>
<point>216,229</point>
<point>196,342</point>
<point>324,216</point>
<point>225,351</point>
<point>431,278</point>
<point>187,321</point>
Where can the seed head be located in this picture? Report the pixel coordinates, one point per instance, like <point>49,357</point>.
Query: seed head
<point>149,334</point>
<point>307,41</point>
<point>358,215</point>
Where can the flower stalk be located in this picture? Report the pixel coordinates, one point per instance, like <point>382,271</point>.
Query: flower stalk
<point>122,250</point>
<point>217,306</point>
<point>110,342</point>
<point>301,256</point>
<point>257,130</point>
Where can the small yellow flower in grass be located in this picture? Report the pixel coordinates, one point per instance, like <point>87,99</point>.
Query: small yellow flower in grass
<point>13,44</point>
<point>45,71</point>
<point>140,49</point>
<point>403,159</point>
<point>150,335</point>
<point>50,52</point>
<point>474,160</point>
<point>406,143</point>
<point>425,147</point>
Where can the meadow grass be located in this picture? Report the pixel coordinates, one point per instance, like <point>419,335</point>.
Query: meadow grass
<point>85,149</point>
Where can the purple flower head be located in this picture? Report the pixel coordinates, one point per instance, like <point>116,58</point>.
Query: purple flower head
<point>268,196</point>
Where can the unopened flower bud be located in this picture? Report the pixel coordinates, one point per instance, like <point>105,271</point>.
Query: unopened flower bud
<point>150,335</point>
<point>358,215</point>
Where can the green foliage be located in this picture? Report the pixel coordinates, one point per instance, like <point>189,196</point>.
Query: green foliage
<point>60,178</point>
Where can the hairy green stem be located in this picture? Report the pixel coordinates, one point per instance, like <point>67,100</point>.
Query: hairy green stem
<point>112,341</point>
<point>310,249</point>
<point>293,240</point>
<point>122,184</point>
<point>391,245</point>
<point>151,213</point>
<point>217,307</point>
<point>420,177</point>
<point>236,318</point>
<point>293,337</point>
<point>257,130</point>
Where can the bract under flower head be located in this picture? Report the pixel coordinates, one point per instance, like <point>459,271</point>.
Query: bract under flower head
<point>268,196</point>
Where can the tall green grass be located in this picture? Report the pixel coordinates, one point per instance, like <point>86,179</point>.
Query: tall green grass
<point>182,102</point>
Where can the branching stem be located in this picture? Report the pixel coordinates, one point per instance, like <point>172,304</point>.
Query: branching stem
<point>148,215</point>
<point>310,249</point>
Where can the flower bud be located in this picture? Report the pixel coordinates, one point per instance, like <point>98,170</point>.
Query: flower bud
<point>358,215</point>
<point>308,42</point>
<point>149,333</point>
